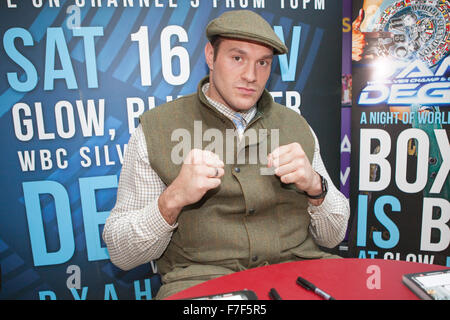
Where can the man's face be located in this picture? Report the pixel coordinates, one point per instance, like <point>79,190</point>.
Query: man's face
<point>239,73</point>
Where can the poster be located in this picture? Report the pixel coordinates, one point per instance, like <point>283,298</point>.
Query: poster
<point>346,97</point>
<point>74,78</point>
<point>400,128</point>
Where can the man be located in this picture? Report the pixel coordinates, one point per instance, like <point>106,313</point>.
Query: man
<point>208,217</point>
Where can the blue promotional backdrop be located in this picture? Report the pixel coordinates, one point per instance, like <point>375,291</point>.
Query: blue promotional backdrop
<point>400,187</point>
<point>74,77</point>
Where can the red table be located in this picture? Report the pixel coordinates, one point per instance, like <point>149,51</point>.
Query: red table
<point>348,279</point>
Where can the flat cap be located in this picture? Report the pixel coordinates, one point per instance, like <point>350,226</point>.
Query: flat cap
<point>245,25</point>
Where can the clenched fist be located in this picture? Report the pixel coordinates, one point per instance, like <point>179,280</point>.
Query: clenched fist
<point>292,166</point>
<point>201,171</point>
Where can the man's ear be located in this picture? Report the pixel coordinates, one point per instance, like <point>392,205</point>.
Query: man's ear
<point>209,55</point>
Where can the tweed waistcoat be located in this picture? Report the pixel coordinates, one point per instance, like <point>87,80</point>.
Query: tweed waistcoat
<point>251,219</point>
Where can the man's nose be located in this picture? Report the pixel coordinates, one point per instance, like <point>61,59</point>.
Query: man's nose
<point>249,73</point>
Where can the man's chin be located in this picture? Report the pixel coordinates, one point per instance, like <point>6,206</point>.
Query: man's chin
<point>243,106</point>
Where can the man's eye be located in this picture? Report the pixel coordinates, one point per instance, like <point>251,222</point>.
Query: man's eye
<point>263,63</point>
<point>237,58</point>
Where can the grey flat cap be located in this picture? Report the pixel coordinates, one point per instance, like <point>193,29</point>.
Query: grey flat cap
<point>245,25</point>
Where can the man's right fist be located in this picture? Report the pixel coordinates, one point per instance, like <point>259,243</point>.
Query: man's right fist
<point>201,171</point>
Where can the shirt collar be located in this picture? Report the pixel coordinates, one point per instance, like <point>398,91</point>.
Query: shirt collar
<point>246,116</point>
